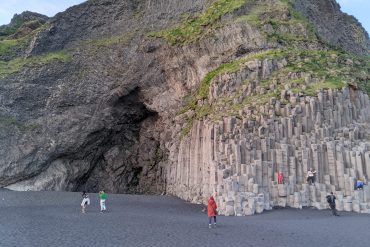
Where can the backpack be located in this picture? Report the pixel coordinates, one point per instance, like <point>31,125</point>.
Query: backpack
<point>329,199</point>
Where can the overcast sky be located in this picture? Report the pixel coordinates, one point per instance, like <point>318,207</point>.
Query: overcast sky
<point>358,8</point>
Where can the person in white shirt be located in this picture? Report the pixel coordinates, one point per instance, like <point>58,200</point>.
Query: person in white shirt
<point>85,201</point>
<point>311,176</point>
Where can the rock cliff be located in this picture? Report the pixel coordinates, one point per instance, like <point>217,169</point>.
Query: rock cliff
<point>192,98</point>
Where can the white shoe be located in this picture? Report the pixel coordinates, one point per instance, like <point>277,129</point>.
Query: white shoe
<point>209,226</point>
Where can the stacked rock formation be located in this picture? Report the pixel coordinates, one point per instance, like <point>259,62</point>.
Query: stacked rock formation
<point>238,158</point>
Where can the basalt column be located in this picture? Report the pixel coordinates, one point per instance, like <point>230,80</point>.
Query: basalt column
<point>237,160</point>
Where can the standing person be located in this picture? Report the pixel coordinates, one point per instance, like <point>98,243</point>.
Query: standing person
<point>314,176</point>
<point>212,212</point>
<point>103,197</point>
<point>280,178</point>
<point>85,201</point>
<point>331,200</point>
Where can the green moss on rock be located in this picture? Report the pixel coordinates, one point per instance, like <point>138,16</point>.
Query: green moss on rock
<point>17,64</point>
<point>194,28</point>
<point>328,70</point>
<point>7,46</point>
<point>112,41</point>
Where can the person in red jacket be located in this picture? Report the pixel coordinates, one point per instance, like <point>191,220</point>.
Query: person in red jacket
<point>212,211</point>
<point>280,178</point>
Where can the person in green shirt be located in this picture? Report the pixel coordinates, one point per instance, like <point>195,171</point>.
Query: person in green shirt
<point>103,197</point>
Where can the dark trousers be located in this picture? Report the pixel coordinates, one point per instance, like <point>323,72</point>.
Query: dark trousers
<point>361,186</point>
<point>311,180</point>
<point>333,209</point>
<point>210,219</point>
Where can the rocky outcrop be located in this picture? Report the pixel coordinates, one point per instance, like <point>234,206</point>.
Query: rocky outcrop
<point>15,35</point>
<point>89,121</point>
<point>115,95</point>
<point>25,19</point>
<point>335,27</point>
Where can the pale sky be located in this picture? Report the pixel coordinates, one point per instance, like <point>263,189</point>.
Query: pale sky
<point>46,7</point>
<point>358,8</point>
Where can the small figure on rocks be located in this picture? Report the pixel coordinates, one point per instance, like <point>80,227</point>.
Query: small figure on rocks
<point>85,201</point>
<point>212,212</point>
<point>311,176</point>
<point>103,197</point>
<point>331,200</point>
<point>359,184</point>
<point>280,178</point>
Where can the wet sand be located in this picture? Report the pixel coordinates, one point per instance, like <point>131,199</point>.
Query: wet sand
<point>55,219</point>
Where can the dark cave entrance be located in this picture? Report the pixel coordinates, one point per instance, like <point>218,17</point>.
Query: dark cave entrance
<point>114,151</point>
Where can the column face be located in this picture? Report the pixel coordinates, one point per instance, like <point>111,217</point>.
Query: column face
<point>292,167</point>
<point>340,167</point>
<point>331,158</point>
<point>367,165</point>
<point>359,165</point>
<point>239,159</point>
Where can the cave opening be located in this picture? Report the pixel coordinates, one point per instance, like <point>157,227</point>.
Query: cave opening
<point>116,163</point>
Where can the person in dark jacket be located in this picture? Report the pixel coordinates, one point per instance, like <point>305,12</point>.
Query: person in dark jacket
<point>331,200</point>
<point>360,184</point>
<point>212,211</point>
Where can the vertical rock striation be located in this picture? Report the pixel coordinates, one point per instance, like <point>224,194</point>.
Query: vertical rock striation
<point>238,159</point>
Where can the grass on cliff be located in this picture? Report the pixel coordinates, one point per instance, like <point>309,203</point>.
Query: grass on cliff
<point>228,68</point>
<point>335,69</point>
<point>330,83</point>
<point>6,46</point>
<point>194,28</point>
<point>7,121</point>
<point>280,23</point>
<point>112,41</point>
<point>9,46</point>
<point>17,64</point>
<point>191,103</point>
<point>329,70</point>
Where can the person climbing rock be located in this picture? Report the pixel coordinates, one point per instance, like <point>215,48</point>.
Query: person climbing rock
<point>85,202</point>
<point>212,212</point>
<point>103,197</point>
<point>331,200</point>
<point>311,176</point>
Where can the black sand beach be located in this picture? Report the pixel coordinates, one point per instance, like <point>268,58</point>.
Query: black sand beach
<point>54,219</point>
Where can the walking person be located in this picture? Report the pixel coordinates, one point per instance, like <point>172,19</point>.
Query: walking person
<point>103,197</point>
<point>212,212</point>
<point>331,200</point>
<point>85,201</point>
